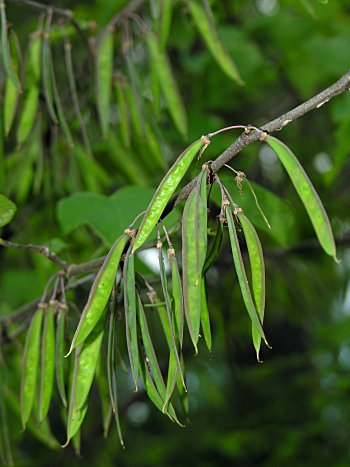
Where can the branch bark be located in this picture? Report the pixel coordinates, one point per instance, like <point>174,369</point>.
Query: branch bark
<point>339,87</point>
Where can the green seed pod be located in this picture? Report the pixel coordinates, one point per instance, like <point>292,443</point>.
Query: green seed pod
<point>104,77</point>
<point>47,362</point>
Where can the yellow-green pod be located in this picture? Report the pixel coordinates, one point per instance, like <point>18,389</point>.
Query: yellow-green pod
<point>203,19</point>
<point>165,191</point>
<point>46,70</point>
<point>205,319</point>
<point>177,295</point>
<point>123,110</point>
<point>100,292</point>
<point>5,50</point>
<point>130,313</point>
<point>307,193</point>
<point>242,276</point>
<point>164,25</point>
<point>104,77</point>
<point>85,362</point>
<point>12,90</point>
<point>191,284</point>
<point>167,83</point>
<point>47,363</point>
<point>30,365</point>
<point>257,267</point>
<point>59,350</point>
<point>32,91</point>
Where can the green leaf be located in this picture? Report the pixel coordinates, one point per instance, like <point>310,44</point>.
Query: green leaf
<point>7,210</point>
<point>308,195</point>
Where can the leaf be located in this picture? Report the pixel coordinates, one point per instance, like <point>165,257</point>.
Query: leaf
<point>131,312</point>
<point>167,83</point>
<point>12,92</point>
<point>46,61</point>
<point>30,365</point>
<point>203,19</point>
<point>123,110</point>
<point>7,210</point>
<point>100,292</point>
<point>308,195</point>
<point>47,363</point>
<point>104,75</point>
<point>257,266</point>
<point>85,362</point>
<point>164,192</point>
<point>242,277</point>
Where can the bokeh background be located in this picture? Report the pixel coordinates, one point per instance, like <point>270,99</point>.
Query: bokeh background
<point>294,408</point>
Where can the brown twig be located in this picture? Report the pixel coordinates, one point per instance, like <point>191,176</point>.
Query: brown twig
<point>339,87</point>
<point>44,7</point>
<point>44,250</point>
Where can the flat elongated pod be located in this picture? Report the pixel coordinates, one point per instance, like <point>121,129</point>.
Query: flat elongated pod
<point>31,356</point>
<point>257,267</point>
<point>152,392</point>
<point>178,305</point>
<point>5,49</point>
<point>201,220</point>
<point>12,92</point>
<point>164,24</point>
<point>130,313</point>
<point>172,340</point>
<point>167,83</point>
<point>205,320</point>
<point>85,362</point>
<point>242,277</point>
<point>123,109</point>
<point>215,247</point>
<point>46,71</point>
<point>191,283</point>
<point>100,292</point>
<point>47,362</point>
<point>112,371</point>
<point>32,91</point>
<point>307,193</point>
<point>60,330</point>
<point>104,75</point>
<point>203,19</point>
<point>165,191</point>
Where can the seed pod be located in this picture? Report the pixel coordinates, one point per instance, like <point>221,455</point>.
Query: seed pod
<point>201,221</point>
<point>191,284</point>
<point>165,191</point>
<point>99,294</point>
<point>5,50</point>
<point>46,60</point>
<point>32,91</point>
<point>47,362</point>
<point>178,306</point>
<point>257,266</point>
<point>308,195</point>
<point>30,365</point>
<point>130,312</point>
<point>167,83</point>
<point>242,277</point>
<point>203,19</point>
<point>205,320</point>
<point>104,75</point>
<point>152,391</point>
<point>112,372</point>
<point>60,330</point>
<point>165,15</point>
<point>85,362</point>
<point>123,109</point>
<point>215,247</point>
<point>12,90</point>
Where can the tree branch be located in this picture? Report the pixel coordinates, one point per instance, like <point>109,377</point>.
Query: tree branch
<point>339,87</point>
<point>43,7</point>
<point>44,250</point>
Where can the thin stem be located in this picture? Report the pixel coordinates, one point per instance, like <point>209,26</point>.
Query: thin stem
<point>246,128</point>
<point>43,7</point>
<point>44,250</point>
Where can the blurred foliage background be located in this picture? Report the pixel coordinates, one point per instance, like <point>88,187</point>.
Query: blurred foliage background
<point>294,409</point>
